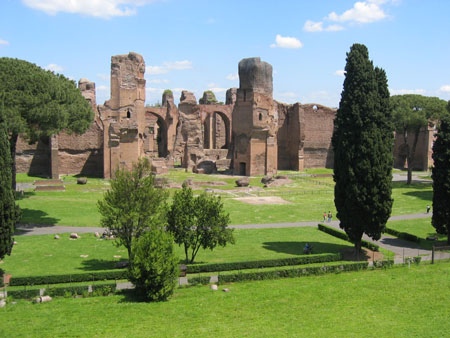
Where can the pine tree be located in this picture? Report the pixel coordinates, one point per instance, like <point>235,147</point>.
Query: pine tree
<point>9,212</point>
<point>363,145</point>
<point>441,179</point>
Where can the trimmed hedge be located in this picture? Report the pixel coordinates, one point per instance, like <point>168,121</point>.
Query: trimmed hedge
<point>1,278</point>
<point>306,271</point>
<point>202,280</point>
<point>403,235</point>
<point>97,289</point>
<point>306,259</point>
<point>72,278</point>
<point>342,235</point>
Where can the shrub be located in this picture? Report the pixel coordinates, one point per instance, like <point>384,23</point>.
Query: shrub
<point>154,269</point>
<point>343,235</point>
<point>69,278</point>
<point>319,258</point>
<point>403,235</point>
<point>1,278</point>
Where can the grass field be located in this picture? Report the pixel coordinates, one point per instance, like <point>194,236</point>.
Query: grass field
<point>43,255</point>
<point>309,197</point>
<point>398,302</point>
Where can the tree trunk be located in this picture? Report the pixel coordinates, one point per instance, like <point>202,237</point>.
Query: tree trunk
<point>12,147</point>
<point>357,249</point>
<point>186,254</point>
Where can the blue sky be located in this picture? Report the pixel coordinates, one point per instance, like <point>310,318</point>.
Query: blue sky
<point>197,44</point>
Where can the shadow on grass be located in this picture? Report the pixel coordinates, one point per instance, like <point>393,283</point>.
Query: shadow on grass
<point>31,219</point>
<point>132,296</point>
<point>26,194</point>
<point>98,264</point>
<point>414,185</point>
<point>423,195</point>
<point>296,248</point>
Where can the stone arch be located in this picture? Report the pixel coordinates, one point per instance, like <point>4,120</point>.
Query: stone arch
<point>160,130</point>
<point>216,131</point>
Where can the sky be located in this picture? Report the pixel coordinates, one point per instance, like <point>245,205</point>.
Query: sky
<point>196,45</point>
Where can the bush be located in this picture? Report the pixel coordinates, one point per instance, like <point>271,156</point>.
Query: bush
<point>297,272</point>
<point>70,278</point>
<point>383,264</point>
<point>403,235</point>
<point>154,269</point>
<point>343,235</point>
<point>103,289</point>
<point>202,280</point>
<point>1,277</point>
<point>319,258</point>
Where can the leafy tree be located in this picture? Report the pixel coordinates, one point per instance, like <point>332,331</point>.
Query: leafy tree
<point>412,113</point>
<point>363,144</point>
<point>154,269</point>
<point>441,179</point>
<point>132,205</point>
<point>9,212</point>
<point>37,103</point>
<point>198,222</point>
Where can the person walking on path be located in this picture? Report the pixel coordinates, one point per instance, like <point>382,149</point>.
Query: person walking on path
<point>428,209</point>
<point>330,216</point>
<point>324,216</point>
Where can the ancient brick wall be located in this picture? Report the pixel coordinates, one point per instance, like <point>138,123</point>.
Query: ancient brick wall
<point>318,128</point>
<point>422,157</point>
<point>33,159</point>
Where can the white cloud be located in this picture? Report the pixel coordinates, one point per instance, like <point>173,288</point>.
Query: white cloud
<point>362,12</point>
<point>154,90</point>
<point>311,26</point>
<point>334,28</point>
<point>105,9</point>
<point>214,87</point>
<point>339,72</point>
<point>168,66</point>
<point>407,91</point>
<point>158,81</point>
<point>445,89</point>
<point>54,67</point>
<point>4,43</point>
<point>286,42</point>
<point>102,87</point>
<point>232,77</point>
<point>103,77</point>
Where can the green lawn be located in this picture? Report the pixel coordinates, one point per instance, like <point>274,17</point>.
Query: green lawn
<point>398,302</point>
<point>309,197</point>
<point>420,227</point>
<point>42,255</point>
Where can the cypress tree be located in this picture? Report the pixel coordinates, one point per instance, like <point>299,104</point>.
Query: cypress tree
<point>8,209</point>
<point>441,179</point>
<point>363,144</point>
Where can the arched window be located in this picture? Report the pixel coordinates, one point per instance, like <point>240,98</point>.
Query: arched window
<point>260,116</point>
<point>128,114</point>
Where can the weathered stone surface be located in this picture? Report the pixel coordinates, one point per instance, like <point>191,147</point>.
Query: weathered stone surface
<point>188,97</point>
<point>81,180</point>
<point>208,98</point>
<point>267,179</point>
<point>226,290</point>
<point>207,167</point>
<point>243,182</point>
<point>256,75</point>
<point>167,98</point>
<point>231,96</point>
<point>214,287</point>
<point>56,237</point>
<point>74,235</point>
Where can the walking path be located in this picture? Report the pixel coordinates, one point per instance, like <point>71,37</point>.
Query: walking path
<point>400,247</point>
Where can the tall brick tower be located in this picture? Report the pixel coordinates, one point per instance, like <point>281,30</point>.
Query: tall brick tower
<point>255,120</point>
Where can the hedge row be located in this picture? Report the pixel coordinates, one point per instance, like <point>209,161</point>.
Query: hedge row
<point>97,289</point>
<point>340,234</point>
<point>1,277</point>
<point>306,259</point>
<point>73,278</point>
<point>403,235</point>
<point>275,274</point>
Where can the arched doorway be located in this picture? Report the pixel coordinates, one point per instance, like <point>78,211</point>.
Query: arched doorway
<point>216,131</point>
<point>160,131</point>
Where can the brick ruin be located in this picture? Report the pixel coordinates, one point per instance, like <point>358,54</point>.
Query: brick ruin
<point>251,134</point>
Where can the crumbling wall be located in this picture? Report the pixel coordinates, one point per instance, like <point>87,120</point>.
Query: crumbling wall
<point>423,156</point>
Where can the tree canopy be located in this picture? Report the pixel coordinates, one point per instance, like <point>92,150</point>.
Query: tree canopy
<point>441,178</point>
<point>132,205</point>
<point>198,222</point>
<point>363,143</point>
<point>9,212</point>
<point>412,113</point>
<point>36,102</point>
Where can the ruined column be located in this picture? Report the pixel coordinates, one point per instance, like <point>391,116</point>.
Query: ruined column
<point>255,120</point>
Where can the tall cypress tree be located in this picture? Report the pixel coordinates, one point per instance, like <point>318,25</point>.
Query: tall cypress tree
<point>8,209</point>
<point>363,145</point>
<point>441,179</point>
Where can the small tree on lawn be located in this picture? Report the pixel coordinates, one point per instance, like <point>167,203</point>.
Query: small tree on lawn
<point>363,143</point>
<point>9,212</point>
<point>412,113</point>
<point>441,179</point>
<point>154,270</point>
<point>132,205</point>
<point>198,222</point>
